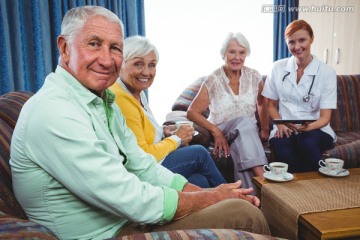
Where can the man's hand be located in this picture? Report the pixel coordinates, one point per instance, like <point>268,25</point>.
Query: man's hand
<point>233,190</point>
<point>193,201</point>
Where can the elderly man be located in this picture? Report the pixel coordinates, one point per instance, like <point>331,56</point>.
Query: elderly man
<point>77,168</point>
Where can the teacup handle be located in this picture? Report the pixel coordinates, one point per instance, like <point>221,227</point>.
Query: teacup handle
<point>322,163</point>
<point>266,168</point>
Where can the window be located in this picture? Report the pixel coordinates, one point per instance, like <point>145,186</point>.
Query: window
<point>189,35</point>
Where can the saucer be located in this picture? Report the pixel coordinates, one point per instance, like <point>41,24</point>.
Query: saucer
<point>327,173</point>
<point>195,133</point>
<point>271,177</point>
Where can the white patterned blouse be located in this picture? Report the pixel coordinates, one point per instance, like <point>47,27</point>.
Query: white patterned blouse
<point>224,104</point>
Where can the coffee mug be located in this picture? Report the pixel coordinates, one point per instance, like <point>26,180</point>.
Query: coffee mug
<point>178,124</point>
<point>333,165</point>
<point>278,169</point>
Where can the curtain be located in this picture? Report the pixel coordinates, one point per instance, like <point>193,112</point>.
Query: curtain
<point>285,11</point>
<point>28,33</point>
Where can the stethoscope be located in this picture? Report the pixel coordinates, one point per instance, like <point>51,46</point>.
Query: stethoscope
<point>306,98</point>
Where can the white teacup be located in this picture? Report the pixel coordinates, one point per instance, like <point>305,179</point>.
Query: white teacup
<point>277,169</point>
<point>332,165</point>
<point>178,124</point>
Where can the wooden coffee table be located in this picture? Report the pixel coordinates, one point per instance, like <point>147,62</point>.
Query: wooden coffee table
<point>336,224</point>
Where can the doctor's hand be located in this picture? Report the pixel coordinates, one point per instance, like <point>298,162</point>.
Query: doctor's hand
<point>304,127</point>
<point>283,130</point>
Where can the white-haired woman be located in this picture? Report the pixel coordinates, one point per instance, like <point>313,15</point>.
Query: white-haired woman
<point>232,93</point>
<point>136,75</point>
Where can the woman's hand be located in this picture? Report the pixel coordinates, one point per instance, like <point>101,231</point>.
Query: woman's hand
<point>304,127</point>
<point>168,130</point>
<point>324,119</point>
<point>221,143</point>
<point>283,130</point>
<point>186,133</point>
<point>300,128</point>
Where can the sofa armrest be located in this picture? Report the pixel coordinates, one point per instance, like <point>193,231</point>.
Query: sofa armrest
<point>204,137</point>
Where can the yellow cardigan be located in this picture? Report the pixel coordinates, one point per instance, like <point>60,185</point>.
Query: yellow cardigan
<point>141,125</point>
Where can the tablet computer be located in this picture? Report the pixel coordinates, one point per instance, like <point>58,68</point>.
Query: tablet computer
<point>294,121</point>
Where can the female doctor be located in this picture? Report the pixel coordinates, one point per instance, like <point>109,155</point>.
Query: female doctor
<point>301,88</point>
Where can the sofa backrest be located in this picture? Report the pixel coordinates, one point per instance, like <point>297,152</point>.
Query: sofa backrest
<point>183,102</point>
<point>10,106</point>
<point>347,115</point>
<point>345,118</point>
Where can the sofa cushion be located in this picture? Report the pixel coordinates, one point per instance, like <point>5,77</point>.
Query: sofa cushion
<point>347,137</point>
<point>198,234</point>
<point>347,115</point>
<point>11,104</point>
<point>349,152</point>
<point>14,228</point>
<point>10,107</point>
<point>176,115</point>
<point>224,164</point>
<point>8,203</point>
<point>183,102</point>
<point>5,138</point>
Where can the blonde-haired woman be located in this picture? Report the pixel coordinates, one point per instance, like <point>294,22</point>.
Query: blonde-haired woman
<point>169,148</point>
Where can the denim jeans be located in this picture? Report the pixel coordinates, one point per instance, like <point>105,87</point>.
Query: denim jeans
<point>302,151</point>
<point>195,164</point>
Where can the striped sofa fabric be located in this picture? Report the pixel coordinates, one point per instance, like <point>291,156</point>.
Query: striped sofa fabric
<point>345,120</point>
<point>13,221</point>
<point>193,234</point>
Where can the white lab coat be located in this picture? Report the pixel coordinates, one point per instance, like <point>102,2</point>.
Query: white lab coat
<point>323,93</point>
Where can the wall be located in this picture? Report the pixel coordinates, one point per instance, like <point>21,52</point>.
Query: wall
<point>189,34</point>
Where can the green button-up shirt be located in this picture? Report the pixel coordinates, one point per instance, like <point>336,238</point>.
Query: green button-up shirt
<point>77,168</point>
